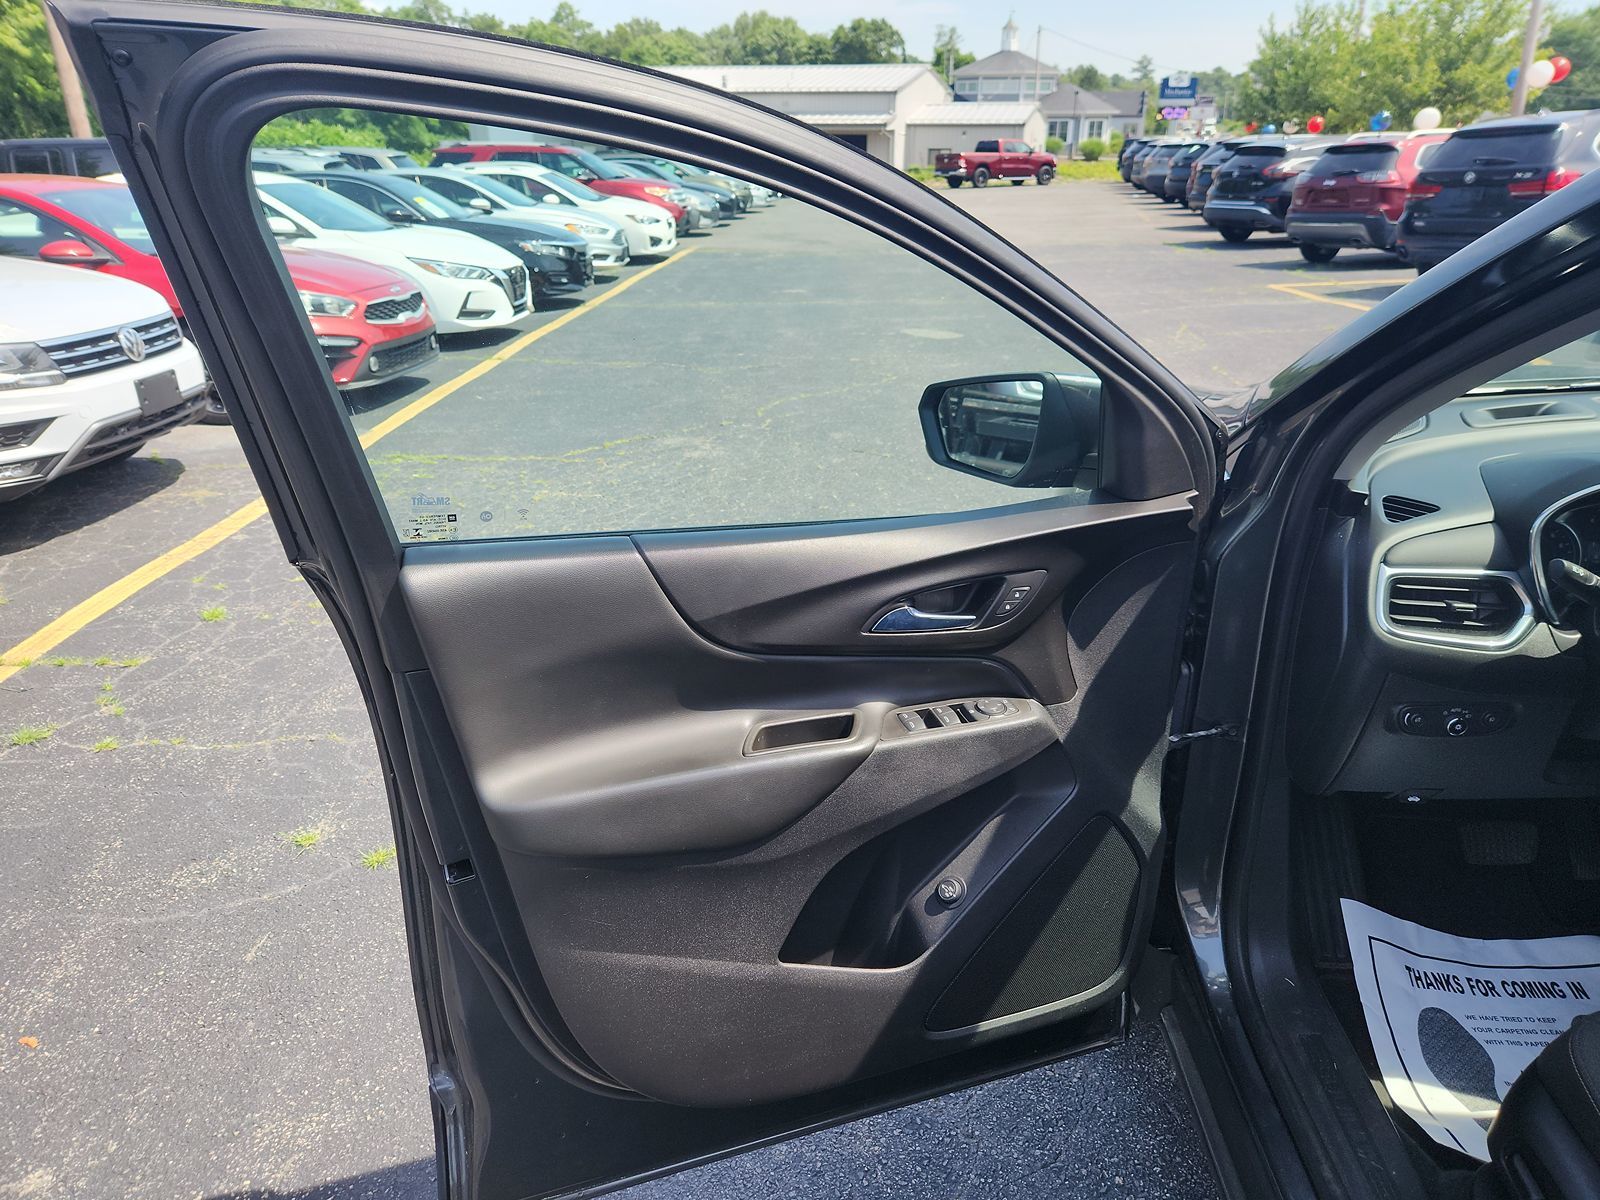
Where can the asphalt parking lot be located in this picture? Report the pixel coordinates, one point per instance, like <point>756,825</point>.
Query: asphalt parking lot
<point>206,990</point>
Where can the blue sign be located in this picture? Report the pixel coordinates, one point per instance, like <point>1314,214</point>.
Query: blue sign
<point>1180,88</point>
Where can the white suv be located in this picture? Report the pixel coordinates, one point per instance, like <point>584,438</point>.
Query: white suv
<point>91,367</point>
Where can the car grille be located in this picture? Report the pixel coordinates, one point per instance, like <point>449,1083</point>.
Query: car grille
<point>114,439</point>
<point>102,350</point>
<point>392,312</point>
<point>515,282</point>
<point>403,356</point>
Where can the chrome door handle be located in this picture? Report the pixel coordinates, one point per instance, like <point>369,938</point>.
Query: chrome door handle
<point>905,618</point>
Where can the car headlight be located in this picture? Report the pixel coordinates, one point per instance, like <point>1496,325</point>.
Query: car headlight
<point>25,365</point>
<point>680,196</point>
<point>658,191</point>
<point>320,304</point>
<point>651,219</point>
<point>453,270</point>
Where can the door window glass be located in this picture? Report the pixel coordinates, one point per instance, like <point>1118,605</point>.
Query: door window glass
<point>23,231</point>
<point>771,371</point>
<point>38,162</point>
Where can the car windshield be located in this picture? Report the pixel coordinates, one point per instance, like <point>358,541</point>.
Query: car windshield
<point>108,208</point>
<point>1573,366</point>
<point>431,202</point>
<point>599,166</point>
<point>403,162</point>
<point>1531,144</point>
<point>324,208</point>
<point>570,187</point>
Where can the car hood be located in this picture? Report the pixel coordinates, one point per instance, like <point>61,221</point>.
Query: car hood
<point>502,225</point>
<point>340,274</point>
<point>445,245</point>
<point>41,301</point>
<point>621,206</point>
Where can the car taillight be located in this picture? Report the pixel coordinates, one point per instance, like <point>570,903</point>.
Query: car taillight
<point>1423,191</point>
<point>1377,177</point>
<point>1551,181</point>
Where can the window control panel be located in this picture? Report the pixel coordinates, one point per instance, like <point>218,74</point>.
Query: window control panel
<point>949,714</point>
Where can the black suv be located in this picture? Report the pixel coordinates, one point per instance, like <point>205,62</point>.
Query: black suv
<point>1203,170</point>
<point>58,156</point>
<point>1488,173</point>
<point>1176,185</point>
<point>1130,148</point>
<point>1252,189</point>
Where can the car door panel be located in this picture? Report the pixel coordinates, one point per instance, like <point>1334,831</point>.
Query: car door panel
<point>639,935</point>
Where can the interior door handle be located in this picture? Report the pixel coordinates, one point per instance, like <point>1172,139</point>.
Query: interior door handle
<point>906,618</point>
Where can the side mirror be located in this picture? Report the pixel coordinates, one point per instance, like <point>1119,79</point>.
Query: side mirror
<point>281,227</point>
<point>585,176</point>
<point>69,252</point>
<point>550,198</point>
<point>1019,430</point>
<point>480,204</point>
<point>396,215</point>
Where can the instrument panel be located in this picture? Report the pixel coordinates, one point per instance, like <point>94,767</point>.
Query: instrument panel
<point>1571,531</point>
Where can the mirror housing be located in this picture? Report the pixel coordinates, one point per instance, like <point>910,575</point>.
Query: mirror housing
<point>396,215</point>
<point>69,252</point>
<point>480,204</point>
<point>550,198</point>
<point>281,227</point>
<point>1026,430</point>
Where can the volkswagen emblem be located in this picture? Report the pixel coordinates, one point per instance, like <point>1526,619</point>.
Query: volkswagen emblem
<point>132,343</point>
<point>1470,177</point>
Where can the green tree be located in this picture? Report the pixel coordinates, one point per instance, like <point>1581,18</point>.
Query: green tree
<point>642,40</point>
<point>564,28</point>
<point>1576,35</point>
<point>867,40</point>
<point>1089,77</point>
<point>759,37</point>
<point>30,95</point>
<point>948,56</point>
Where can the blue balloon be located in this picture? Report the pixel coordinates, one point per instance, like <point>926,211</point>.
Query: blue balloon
<point>1380,121</point>
<point>1269,129</point>
<point>1511,76</point>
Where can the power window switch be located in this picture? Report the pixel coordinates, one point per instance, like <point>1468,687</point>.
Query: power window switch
<point>1006,607</point>
<point>945,715</point>
<point>910,721</point>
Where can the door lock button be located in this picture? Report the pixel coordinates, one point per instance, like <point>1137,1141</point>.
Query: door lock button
<point>1018,593</point>
<point>950,890</point>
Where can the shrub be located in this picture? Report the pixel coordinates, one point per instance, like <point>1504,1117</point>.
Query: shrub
<point>1054,145</point>
<point>1091,149</point>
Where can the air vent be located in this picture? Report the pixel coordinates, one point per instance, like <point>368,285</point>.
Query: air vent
<point>1404,508</point>
<point>1463,605</point>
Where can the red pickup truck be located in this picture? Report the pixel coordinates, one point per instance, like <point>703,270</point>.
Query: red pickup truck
<point>1016,161</point>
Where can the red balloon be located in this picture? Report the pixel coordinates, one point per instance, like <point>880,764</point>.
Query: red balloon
<point>1250,127</point>
<point>1563,66</point>
<point>1315,125</point>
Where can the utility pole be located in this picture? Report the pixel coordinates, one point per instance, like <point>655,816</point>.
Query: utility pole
<point>1530,44</point>
<point>67,73</point>
<point>1038,45</point>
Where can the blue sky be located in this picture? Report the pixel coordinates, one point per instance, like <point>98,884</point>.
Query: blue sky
<point>1176,34</point>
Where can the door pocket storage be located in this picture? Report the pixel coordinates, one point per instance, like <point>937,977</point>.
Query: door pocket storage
<point>807,731</point>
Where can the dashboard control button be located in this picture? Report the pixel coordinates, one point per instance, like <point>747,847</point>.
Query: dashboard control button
<point>1413,720</point>
<point>1457,725</point>
<point>991,708</point>
<point>950,890</point>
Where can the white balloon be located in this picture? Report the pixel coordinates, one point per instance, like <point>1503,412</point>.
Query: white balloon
<point>1542,74</point>
<point>1427,118</point>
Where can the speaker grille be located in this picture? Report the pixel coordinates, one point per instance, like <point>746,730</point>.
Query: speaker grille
<point>1067,934</point>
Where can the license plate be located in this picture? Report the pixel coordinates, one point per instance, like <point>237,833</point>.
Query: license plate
<point>158,393</point>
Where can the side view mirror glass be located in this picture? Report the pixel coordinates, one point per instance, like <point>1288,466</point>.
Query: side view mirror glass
<point>69,252</point>
<point>480,204</point>
<point>399,216</point>
<point>280,226</point>
<point>1038,430</point>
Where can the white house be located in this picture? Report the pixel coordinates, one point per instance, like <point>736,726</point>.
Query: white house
<point>1007,75</point>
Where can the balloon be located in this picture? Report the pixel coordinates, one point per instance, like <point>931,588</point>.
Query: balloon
<point>1250,127</point>
<point>1540,74</point>
<point>1315,124</point>
<point>1511,76</point>
<point>1380,121</point>
<point>1563,66</point>
<point>1427,118</point>
<point>1270,129</point>
<point>1291,126</point>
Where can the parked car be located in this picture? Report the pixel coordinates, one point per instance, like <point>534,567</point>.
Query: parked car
<point>649,231</point>
<point>1252,190</point>
<point>1125,156</point>
<point>95,225</point>
<point>575,164</point>
<point>57,156</point>
<point>1136,164</point>
<point>1176,186</point>
<point>468,283</point>
<point>1203,169</point>
<point>91,368</point>
<point>992,158</point>
<point>742,192</point>
<point>372,158</point>
<point>285,160</point>
<point>1486,174</point>
<point>1152,175</point>
<point>557,261</point>
<point>1355,193</point>
<point>715,204</point>
<point>606,236</point>
<point>714,826</point>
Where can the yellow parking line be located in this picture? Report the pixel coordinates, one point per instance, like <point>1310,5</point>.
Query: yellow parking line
<point>1302,290</point>
<point>135,581</point>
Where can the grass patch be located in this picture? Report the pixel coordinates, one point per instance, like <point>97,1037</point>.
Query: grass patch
<point>305,837</point>
<point>105,660</point>
<point>63,661</point>
<point>215,613</point>
<point>107,702</point>
<point>1106,168</point>
<point>376,860</point>
<point>31,735</point>
<point>105,744</point>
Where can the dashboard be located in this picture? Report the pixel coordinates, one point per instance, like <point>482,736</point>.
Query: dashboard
<point>1437,656</point>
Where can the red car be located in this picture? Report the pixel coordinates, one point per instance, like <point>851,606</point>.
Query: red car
<point>1354,194</point>
<point>995,159</point>
<point>370,321</point>
<point>599,174</point>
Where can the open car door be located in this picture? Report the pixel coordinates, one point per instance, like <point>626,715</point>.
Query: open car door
<point>771,658</point>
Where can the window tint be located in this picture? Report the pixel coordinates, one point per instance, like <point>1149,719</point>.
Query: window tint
<point>38,162</point>
<point>451,156</point>
<point>369,198</point>
<point>95,160</point>
<point>988,148</point>
<point>109,207</point>
<point>769,373</point>
<point>23,231</point>
<point>1426,153</point>
<point>1535,146</point>
<point>323,208</point>
<point>403,162</point>
<point>364,161</point>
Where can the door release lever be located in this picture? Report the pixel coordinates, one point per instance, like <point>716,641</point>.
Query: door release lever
<point>906,618</point>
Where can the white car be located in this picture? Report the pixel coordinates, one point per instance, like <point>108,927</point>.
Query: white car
<point>608,241</point>
<point>650,228</point>
<point>91,368</point>
<point>469,283</point>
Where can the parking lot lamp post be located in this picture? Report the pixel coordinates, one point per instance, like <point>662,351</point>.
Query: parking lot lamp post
<point>1530,44</point>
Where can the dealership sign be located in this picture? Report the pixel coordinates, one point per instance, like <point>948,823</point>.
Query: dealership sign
<point>1180,88</point>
